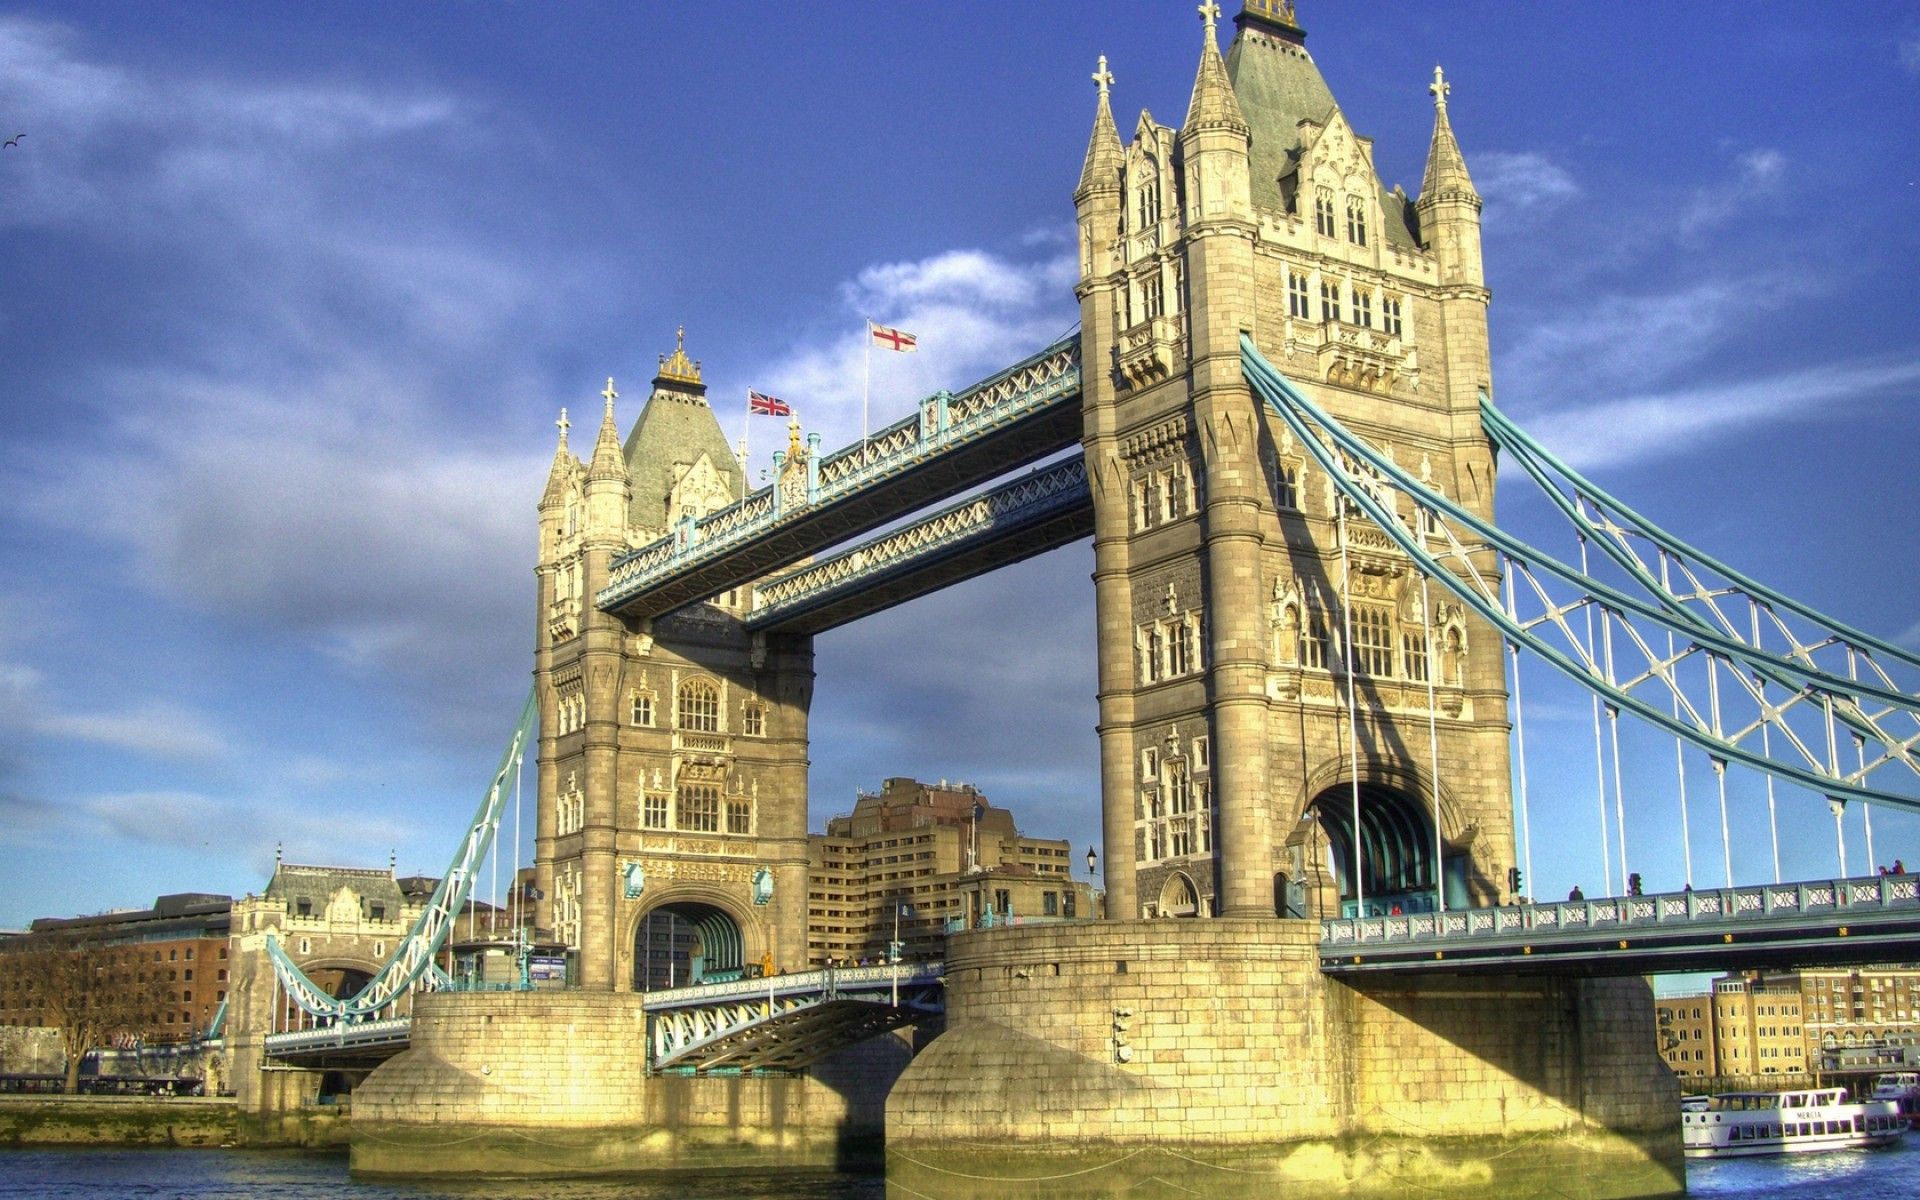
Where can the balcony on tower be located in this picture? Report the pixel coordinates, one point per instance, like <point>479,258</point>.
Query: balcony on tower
<point>1150,350</point>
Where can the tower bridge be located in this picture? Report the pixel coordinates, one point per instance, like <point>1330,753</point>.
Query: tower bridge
<point>1311,633</point>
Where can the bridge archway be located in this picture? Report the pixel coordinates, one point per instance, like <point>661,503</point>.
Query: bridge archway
<point>690,939</point>
<point>1179,897</point>
<point>1394,849</point>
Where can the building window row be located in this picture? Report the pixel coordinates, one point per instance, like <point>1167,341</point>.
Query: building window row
<point>697,808</point>
<point>1170,647</point>
<point>1163,496</point>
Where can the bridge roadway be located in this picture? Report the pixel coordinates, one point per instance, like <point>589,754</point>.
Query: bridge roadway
<point>953,442</point>
<point>782,1023</point>
<point>1823,923</point>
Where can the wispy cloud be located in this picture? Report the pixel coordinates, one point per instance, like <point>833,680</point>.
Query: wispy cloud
<point>1908,53</point>
<point>1523,186</point>
<point>1758,175</point>
<point>154,728</point>
<point>191,821</point>
<point>1648,427</point>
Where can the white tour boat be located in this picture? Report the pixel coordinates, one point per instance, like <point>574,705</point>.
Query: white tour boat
<point>1737,1124</point>
<point>1903,1089</point>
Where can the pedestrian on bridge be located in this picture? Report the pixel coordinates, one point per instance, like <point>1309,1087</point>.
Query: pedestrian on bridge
<point>1576,893</point>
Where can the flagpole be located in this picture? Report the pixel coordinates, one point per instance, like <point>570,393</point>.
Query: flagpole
<point>746,434</point>
<point>866,383</point>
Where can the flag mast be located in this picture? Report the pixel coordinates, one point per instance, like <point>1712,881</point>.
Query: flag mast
<point>866,384</point>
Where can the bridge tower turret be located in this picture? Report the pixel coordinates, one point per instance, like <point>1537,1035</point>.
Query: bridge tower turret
<point>673,750</point>
<point>1264,657</point>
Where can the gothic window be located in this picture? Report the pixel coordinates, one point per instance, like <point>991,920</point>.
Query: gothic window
<point>1298,304</point>
<point>1149,763</point>
<point>1286,485</point>
<point>739,817</point>
<point>1329,302</point>
<point>699,707</point>
<point>1202,751</point>
<point>653,812</point>
<point>1372,640</point>
<point>699,808</point>
<point>753,721</point>
<point>640,711</point>
<point>1156,653</point>
<point>1314,640</point>
<point>1356,221</point>
<point>1182,832</point>
<point>1176,494</point>
<point>1186,648</point>
<point>1147,198</point>
<point>1150,500</point>
<point>1413,654</point>
<point>1323,213</point>
<point>1179,795</point>
<point>1390,315</point>
<point>1156,297</point>
<point>1363,308</point>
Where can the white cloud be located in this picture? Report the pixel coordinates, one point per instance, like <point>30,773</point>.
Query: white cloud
<point>154,728</point>
<point>1647,427</point>
<point>974,311</point>
<point>190,821</point>
<point>1909,55</point>
<point>1760,174</point>
<point>1524,185</point>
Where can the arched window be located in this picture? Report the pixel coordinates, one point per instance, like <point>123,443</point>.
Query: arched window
<point>699,707</point>
<point>1323,213</point>
<point>1356,221</point>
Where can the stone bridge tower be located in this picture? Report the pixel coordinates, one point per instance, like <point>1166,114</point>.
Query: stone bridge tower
<point>1242,616</point>
<point>673,751</point>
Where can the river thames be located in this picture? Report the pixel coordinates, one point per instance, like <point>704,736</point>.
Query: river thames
<point>1891,1174</point>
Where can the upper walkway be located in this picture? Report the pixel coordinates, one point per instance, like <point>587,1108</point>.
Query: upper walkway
<point>954,441</point>
<point>1838,921</point>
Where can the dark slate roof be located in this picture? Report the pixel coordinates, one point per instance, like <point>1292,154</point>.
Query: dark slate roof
<point>675,427</point>
<point>291,882</point>
<point>1279,86</point>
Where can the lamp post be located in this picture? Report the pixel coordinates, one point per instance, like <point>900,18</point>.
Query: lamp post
<point>1092,859</point>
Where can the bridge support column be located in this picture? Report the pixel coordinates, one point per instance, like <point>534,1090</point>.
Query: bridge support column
<point>1175,1058</point>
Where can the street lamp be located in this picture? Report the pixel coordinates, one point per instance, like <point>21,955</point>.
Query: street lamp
<point>1092,858</point>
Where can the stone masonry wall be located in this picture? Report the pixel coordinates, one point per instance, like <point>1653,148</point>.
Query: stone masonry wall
<point>555,1083</point>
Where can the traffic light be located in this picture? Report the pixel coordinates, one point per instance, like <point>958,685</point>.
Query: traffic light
<point>1514,880</point>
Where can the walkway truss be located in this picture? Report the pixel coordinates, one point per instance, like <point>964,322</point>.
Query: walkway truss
<point>1687,644</point>
<point>785,1022</point>
<point>411,966</point>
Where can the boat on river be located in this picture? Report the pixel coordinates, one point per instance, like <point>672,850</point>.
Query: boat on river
<point>1743,1124</point>
<point>1903,1089</point>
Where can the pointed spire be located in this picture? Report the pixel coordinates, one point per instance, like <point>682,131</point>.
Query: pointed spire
<point>1446,169</point>
<point>1104,156</point>
<point>608,462</point>
<point>561,473</point>
<point>1214,106</point>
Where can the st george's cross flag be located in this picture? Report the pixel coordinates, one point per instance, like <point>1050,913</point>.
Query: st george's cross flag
<point>892,339</point>
<point>767,406</point>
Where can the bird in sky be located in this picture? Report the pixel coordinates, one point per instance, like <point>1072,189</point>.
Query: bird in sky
<point>13,141</point>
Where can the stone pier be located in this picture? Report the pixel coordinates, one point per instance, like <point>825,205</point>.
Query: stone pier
<point>1174,1058</point>
<point>554,1083</point>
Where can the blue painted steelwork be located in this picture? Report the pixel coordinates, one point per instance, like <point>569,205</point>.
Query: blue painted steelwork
<point>1449,544</point>
<point>944,424</point>
<point>1834,920</point>
<point>412,962</point>
<point>986,519</point>
<point>783,1022</point>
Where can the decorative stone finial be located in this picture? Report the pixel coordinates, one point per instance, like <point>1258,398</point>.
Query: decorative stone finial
<point>563,425</point>
<point>1439,88</point>
<point>610,394</point>
<point>278,848</point>
<point>1210,13</point>
<point>1103,78</point>
<point>793,439</point>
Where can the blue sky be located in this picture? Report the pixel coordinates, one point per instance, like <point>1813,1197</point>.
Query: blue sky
<point>293,295</point>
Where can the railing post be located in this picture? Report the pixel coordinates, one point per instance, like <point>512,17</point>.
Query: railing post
<point>813,468</point>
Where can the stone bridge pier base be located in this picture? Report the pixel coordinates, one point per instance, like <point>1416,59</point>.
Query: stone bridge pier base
<point>1182,1058</point>
<point>554,1083</point>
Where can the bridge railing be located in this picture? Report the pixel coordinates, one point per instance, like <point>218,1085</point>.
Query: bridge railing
<point>340,1034</point>
<point>941,420</point>
<point>829,980</point>
<point>1706,906</point>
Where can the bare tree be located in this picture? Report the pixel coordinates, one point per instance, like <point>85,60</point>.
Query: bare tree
<point>90,991</point>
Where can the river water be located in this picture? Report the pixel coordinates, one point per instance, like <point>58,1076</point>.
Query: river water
<point>1891,1174</point>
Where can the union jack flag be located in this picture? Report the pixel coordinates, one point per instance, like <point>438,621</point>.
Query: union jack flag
<point>765,405</point>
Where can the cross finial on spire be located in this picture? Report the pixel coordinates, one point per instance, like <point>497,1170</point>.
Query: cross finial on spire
<point>1210,13</point>
<point>610,394</point>
<point>563,425</point>
<point>1439,87</point>
<point>1103,78</point>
